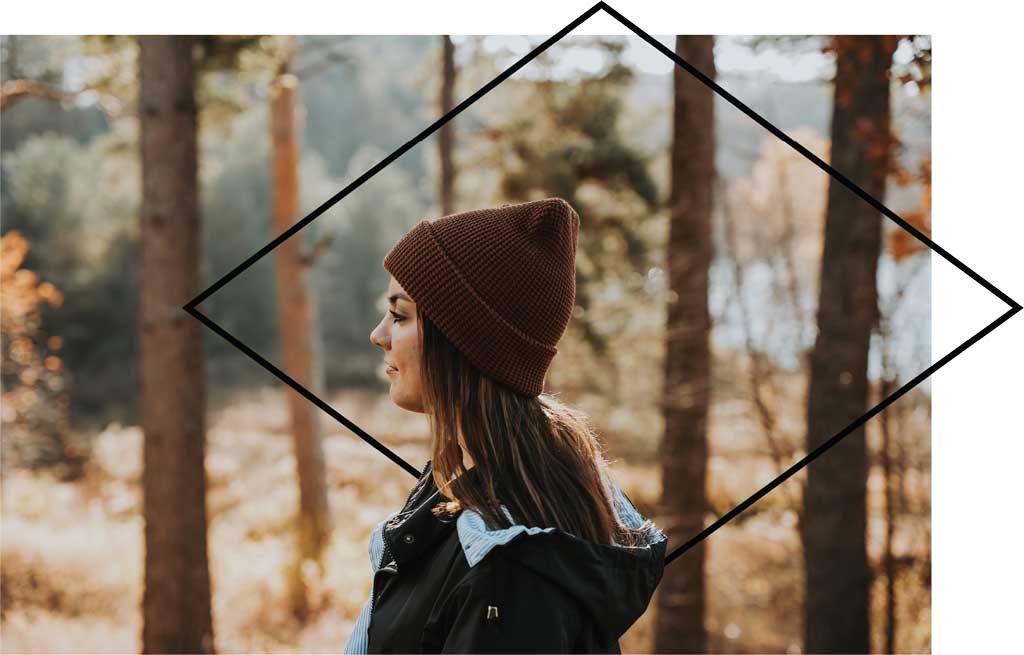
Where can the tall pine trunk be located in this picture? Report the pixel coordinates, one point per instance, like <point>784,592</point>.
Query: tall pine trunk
<point>686,395</point>
<point>176,599</point>
<point>446,135</point>
<point>889,385</point>
<point>300,337</point>
<point>838,577</point>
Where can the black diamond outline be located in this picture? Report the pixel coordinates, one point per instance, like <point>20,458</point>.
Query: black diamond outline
<point>1015,307</point>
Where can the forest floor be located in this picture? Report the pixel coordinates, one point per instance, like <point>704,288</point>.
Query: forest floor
<point>72,552</point>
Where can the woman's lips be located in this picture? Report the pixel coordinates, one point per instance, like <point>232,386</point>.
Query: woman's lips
<point>391,370</point>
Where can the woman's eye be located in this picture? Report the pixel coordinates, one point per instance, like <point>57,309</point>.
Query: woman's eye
<point>397,318</point>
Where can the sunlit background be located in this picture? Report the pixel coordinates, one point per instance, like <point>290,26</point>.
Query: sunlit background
<point>72,470</point>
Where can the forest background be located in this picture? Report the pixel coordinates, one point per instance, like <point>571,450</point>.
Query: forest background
<point>591,120</point>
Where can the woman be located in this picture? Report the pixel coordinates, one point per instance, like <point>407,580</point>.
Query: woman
<point>514,539</point>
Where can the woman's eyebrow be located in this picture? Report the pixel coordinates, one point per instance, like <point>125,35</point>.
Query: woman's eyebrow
<point>399,295</point>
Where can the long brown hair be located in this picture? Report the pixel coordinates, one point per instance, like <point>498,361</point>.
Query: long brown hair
<point>538,456</point>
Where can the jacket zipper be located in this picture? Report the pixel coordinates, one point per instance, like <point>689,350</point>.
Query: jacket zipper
<point>385,556</point>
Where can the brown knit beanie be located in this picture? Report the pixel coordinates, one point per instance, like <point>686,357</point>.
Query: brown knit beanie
<point>500,283</point>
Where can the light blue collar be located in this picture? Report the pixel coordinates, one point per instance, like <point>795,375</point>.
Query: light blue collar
<point>478,540</point>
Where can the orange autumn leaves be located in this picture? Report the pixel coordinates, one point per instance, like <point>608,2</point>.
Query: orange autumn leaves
<point>903,244</point>
<point>881,145</point>
<point>30,363</point>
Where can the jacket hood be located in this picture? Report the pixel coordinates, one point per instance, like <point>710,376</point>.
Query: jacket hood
<point>614,583</point>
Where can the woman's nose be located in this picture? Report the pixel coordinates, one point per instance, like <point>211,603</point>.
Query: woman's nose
<point>377,337</point>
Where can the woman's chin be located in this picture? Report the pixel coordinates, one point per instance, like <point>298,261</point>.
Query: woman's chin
<point>409,405</point>
<point>397,397</point>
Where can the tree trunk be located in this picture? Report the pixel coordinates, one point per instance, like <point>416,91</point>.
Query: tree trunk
<point>838,577</point>
<point>300,339</point>
<point>889,385</point>
<point>446,133</point>
<point>176,599</point>
<point>686,395</point>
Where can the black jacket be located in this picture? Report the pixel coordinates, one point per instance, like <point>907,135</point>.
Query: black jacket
<point>457,586</point>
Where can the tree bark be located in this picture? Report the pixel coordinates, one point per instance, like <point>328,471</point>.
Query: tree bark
<point>838,580</point>
<point>176,598</point>
<point>686,394</point>
<point>300,338</point>
<point>446,134</point>
<point>889,385</point>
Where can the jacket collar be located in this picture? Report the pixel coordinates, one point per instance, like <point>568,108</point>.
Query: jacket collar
<point>414,529</point>
<point>478,538</point>
<point>590,572</point>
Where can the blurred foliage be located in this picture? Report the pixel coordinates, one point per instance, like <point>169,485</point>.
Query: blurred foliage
<point>350,276</point>
<point>70,579</point>
<point>69,188</point>
<point>565,139</point>
<point>89,242</point>
<point>34,398</point>
<point>56,154</point>
<point>532,136</point>
<point>902,243</point>
<point>912,62</point>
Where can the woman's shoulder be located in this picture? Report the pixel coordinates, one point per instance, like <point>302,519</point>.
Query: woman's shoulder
<point>501,575</point>
<point>501,599</point>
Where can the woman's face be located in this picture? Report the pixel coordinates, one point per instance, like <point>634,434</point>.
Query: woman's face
<point>398,336</point>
